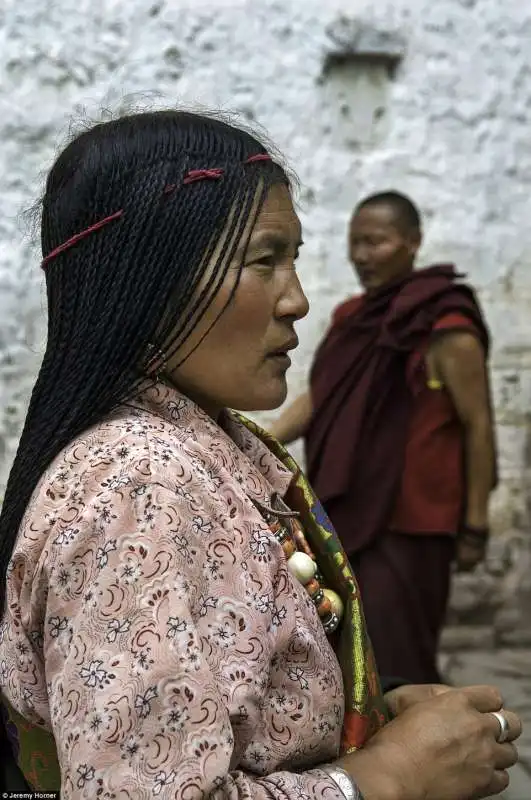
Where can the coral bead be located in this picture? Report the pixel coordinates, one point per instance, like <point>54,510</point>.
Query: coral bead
<point>324,609</point>
<point>302,567</point>
<point>312,587</point>
<point>289,548</point>
<point>335,601</point>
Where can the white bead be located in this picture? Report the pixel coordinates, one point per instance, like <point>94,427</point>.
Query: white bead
<point>335,601</point>
<point>302,567</point>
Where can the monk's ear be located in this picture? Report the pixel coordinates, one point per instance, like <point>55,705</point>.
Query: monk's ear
<point>414,241</point>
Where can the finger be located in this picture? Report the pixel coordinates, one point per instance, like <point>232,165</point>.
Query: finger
<point>506,755</point>
<point>440,688</point>
<point>468,566</point>
<point>513,720</point>
<point>498,784</point>
<point>483,698</point>
<point>463,564</point>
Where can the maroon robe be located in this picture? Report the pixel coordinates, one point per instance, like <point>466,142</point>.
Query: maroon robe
<point>356,439</point>
<point>355,448</point>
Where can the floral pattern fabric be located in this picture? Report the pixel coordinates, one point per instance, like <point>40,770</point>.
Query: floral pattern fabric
<point>153,626</point>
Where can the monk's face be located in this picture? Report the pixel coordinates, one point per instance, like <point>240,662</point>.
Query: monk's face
<point>381,250</point>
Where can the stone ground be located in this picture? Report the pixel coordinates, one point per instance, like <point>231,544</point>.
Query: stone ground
<point>510,670</point>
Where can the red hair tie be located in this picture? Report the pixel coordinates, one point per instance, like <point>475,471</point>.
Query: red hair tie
<point>81,235</point>
<point>258,157</point>
<point>191,177</point>
<point>202,174</point>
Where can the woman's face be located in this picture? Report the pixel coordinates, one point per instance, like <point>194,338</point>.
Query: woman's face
<point>242,362</point>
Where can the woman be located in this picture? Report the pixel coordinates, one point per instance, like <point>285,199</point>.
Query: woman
<point>166,632</point>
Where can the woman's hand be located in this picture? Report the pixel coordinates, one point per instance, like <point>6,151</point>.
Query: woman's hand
<point>399,700</point>
<point>439,749</point>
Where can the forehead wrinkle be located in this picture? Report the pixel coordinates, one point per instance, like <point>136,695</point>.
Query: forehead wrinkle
<point>281,233</point>
<point>273,238</point>
<point>276,223</point>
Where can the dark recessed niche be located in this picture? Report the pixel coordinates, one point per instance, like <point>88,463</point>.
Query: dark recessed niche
<point>359,62</point>
<point>338,61</point>
<point>351,42</point>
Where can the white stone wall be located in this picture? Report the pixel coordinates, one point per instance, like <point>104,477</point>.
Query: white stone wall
<point>451,128</point>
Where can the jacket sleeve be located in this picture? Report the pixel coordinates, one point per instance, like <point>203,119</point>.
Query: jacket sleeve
<point>144,701</point>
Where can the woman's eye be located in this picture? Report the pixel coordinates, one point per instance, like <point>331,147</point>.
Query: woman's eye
<point>266,261</point>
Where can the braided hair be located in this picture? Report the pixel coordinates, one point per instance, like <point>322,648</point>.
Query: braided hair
<point>136,283</point>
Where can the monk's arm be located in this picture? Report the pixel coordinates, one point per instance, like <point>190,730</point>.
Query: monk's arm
<point>459,359</point>
<point>294,421</point>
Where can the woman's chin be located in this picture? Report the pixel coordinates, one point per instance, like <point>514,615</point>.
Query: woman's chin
<point>267,398</point>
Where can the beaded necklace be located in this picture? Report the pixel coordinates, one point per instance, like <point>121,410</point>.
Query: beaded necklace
<point>300,560</point>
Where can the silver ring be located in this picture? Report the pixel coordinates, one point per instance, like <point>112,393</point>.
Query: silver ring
<point>504,727</point>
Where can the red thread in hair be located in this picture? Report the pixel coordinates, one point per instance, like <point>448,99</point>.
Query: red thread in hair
<point>202,174</point>
<point>257,157</point>
<point>191,177</point>
<point>81,235</point>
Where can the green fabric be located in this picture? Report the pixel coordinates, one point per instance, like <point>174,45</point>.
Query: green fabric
<point>365,709</point>
<point>34,750</point>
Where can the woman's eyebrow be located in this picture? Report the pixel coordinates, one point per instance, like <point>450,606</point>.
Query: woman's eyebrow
<point>274,239</point>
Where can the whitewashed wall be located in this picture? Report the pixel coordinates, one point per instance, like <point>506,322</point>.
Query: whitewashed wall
<point>452,129</point>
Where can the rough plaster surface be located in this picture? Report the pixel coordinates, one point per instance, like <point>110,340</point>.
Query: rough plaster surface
<point>451,129</point>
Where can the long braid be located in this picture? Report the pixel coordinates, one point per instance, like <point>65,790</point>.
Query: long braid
<point>136,282</point>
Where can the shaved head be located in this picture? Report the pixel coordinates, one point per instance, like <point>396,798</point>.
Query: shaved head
<point>405,212</point>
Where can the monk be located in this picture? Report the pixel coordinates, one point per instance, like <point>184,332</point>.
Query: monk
<point>399,433</point>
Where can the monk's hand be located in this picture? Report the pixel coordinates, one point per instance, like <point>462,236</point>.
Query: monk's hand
<point>471,546</point>
<point>469,555</point>
<point>399,700</point>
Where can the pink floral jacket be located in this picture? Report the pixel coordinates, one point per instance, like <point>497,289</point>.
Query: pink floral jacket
<point>153,625</point>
